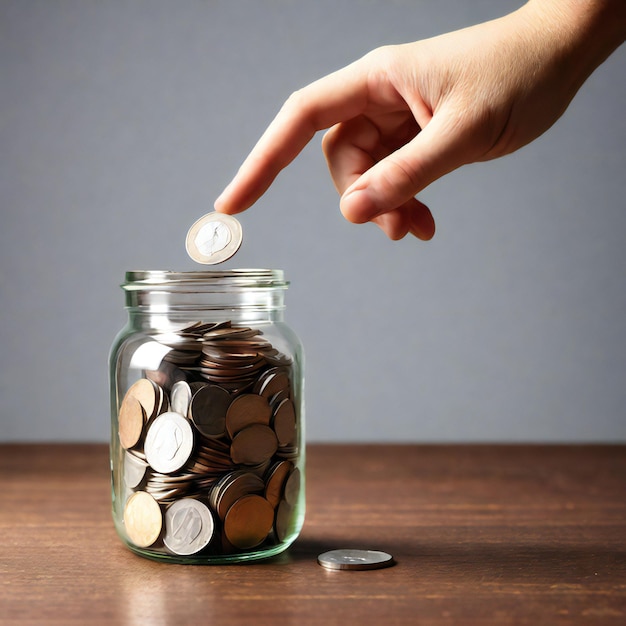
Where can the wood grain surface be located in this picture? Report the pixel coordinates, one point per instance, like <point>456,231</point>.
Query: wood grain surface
<point>480,534</point>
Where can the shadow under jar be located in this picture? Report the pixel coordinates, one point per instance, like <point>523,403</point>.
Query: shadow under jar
<point>207,417</point>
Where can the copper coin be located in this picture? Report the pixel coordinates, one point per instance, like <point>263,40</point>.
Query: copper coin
<point>237,485</point>
<point>142,519</point>
<point>272,382</point>
<point>284,422</point>
<point>202,327</point>
<point>274,357</point>
<point>208,410</point>
<point>253,445</point>
<point>292,487</point>
<point>227,546</point>
<point>285,521</point>
<point>232,355</point>
<point>131,420</point>
<point>149,394</point>
<point>249,521</point>
<point>274,487</point>
<point>288,452</point>
<point>241,332</point>
<point>245,410</point>
<point>260,469</point>
<point>257,342</point>
<point>196,386</point>
<point>276,399</point>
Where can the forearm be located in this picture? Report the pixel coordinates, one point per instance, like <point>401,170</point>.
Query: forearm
<point>586,31</point>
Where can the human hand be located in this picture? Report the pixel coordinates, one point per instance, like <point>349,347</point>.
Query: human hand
<point>403,116</point>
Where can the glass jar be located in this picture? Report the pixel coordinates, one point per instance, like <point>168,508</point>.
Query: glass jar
<point>207,417</point>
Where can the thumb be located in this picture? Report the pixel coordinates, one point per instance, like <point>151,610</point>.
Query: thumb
<point>436,150</point>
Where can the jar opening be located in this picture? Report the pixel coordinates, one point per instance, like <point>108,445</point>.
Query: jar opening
<point>242,278</point>
<point>251,292</point>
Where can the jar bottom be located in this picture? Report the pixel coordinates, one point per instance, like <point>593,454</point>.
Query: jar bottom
<point>213,559</point>
<point>272,547</point>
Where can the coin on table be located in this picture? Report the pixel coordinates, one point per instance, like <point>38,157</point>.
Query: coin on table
<point>189,526</point>
<point>169,442</point>
<point>214,238</point>
<point>355,559</point>
<point>143,519</point>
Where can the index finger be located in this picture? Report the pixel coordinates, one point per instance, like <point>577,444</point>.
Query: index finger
<point>334,98</point>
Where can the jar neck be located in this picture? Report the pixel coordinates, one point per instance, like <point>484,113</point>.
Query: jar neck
<point>157,299</point>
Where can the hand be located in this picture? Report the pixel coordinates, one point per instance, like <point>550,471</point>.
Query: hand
<point>403,116</point>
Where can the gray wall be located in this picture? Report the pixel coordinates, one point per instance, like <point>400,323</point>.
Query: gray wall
<point>120,122</point>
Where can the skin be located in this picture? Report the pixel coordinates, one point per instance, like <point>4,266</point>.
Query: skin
<point>403,116</point>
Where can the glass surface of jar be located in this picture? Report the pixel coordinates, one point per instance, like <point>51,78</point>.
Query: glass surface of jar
<point>207,417</point>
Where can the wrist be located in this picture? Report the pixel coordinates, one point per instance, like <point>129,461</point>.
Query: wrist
<point>580,33</point>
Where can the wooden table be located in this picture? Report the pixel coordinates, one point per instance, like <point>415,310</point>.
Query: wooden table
<point>481,534</point>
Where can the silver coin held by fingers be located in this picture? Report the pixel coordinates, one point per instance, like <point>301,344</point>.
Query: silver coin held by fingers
<point>214,238</point>
<point>355,559</point>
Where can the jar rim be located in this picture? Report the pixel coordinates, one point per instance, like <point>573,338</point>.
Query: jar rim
<point>244,278</point>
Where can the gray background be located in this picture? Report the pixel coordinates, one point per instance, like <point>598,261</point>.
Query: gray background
<point>121,121</point>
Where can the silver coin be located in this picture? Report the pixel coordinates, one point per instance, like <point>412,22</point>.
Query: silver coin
<point>169,442</point>
<point>214,238</point>
<point>189,526</point>
<point>180,397</point>
<point>355,559</point>
<point>134,470</point>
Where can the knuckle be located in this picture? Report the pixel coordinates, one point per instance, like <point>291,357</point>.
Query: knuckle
<point>300,106</point>
<point>296,99</point>
<point>401,179</point>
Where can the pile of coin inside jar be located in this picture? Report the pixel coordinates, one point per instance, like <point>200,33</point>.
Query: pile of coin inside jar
<point>210,444</point>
